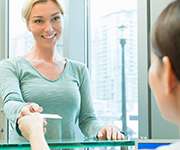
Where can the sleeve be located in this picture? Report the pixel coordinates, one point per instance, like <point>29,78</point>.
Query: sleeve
<point>10,92</point>
<point>88,122</point>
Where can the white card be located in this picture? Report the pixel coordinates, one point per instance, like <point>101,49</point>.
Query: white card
<point>51,116</point>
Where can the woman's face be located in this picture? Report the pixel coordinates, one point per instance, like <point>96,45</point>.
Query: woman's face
<point>45,24</point>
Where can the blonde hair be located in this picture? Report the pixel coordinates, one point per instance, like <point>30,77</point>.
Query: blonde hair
<point>26,11</point>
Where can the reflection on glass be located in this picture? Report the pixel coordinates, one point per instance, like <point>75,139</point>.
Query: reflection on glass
<point>106,54</point>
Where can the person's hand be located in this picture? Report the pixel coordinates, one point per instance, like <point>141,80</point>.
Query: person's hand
<point>32,126</point>
<point>110,133</point>
<point>30,108</point>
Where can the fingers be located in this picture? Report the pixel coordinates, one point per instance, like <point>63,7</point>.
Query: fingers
<point>25,111</point>
<point>44,130</point>
<point>30,108</point>
<point>44,125</point>
<point>117,135</point>
<point>114,134</point>
<point>104,133</point>
<point>110,133</point>
<point>35,107</point>
<point>19,121</point>
<point>100,135</point>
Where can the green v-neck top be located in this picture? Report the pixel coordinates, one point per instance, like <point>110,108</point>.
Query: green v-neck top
<point>69,95</point>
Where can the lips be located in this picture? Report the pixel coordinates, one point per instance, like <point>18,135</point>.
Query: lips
<point>51,36</point>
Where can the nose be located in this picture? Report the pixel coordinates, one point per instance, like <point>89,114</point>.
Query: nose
<point>48,27</point>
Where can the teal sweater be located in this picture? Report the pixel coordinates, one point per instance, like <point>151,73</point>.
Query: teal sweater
<point>69,95</point>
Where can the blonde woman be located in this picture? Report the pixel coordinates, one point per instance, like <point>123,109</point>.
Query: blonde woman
<point>41,81</point>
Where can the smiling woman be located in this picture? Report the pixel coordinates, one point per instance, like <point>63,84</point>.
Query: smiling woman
<point>42,81</point>
<point>20,40</point>
<point>44,25</point>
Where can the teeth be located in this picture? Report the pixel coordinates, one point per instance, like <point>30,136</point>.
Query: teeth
<point>49,36</point>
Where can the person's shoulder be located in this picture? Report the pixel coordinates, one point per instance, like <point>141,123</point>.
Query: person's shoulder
<point>10,62</point>
<point>76,64</point>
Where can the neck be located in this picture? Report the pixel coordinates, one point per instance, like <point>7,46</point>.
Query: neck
<point>44,54</point>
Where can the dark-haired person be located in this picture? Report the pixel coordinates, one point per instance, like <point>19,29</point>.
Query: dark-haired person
<point>164,72</point>
<point>40,80</point>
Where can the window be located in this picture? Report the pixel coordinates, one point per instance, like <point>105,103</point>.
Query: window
<point>113,62</point>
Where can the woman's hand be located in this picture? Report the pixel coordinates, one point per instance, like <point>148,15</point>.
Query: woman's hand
<point>32,126</point>
<point>110,133</point>
<point>30,108</point>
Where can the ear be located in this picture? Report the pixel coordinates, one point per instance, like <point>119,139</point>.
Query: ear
<point>170,80</point>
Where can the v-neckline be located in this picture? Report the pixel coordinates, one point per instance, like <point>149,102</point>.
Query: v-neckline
<point>44,76</point>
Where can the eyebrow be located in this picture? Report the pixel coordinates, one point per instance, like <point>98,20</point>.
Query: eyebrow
<point>54,14</point>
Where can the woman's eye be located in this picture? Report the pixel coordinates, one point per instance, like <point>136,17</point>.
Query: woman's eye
<point>38,21</point>
<point>57,18</point>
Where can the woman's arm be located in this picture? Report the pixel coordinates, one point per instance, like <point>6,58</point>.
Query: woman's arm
<point>10,92</point>
<point>88,122</point>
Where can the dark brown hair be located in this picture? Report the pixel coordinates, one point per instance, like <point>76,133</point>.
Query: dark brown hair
<point>166,35</point>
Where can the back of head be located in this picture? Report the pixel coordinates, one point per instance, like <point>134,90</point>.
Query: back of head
<point>26,11</point>
<point>166,35</point>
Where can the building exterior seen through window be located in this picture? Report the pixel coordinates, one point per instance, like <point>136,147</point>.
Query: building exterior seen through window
<point>113,62</point>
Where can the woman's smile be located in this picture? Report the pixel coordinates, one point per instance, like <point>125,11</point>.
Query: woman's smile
<point>50,36</point>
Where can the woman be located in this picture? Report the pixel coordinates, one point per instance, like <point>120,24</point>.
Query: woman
<point>164,73</point>
<point>40,78</point>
